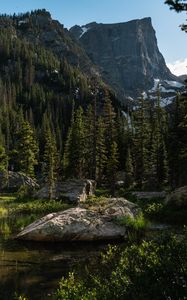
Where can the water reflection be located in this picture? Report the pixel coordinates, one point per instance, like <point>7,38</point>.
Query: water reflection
<point>34,269</point>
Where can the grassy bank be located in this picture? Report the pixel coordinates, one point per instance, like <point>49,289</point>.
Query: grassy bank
<point>17,213</point>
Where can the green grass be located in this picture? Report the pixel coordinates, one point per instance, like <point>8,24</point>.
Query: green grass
<point>17,213</point>
<point>138,224</point>
<point>12,205</point>
<point>102,192</point>
<point>7,198</point>
<point>5,229</point>
<point>37,206</point>
<point>3,211</point>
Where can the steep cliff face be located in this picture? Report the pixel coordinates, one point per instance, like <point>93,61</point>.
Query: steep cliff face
<point>127,54</point>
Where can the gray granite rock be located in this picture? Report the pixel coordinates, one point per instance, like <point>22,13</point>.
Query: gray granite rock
<point>178,198</point>
<point>15,180</point>
<point>71,190</point>
<point>80,224</point>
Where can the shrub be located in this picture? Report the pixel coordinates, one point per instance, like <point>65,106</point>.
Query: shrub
<point>153,270</point>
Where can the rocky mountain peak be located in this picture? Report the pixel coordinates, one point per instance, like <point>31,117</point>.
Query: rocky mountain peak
<point>127,54</point>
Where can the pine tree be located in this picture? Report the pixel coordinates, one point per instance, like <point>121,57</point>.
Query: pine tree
<point>109,116</point>
<point>112,166</point>
<point>101,152</point>
<point>4,165</point>
<point>159,134</point>
<point>51,162</point>
<point>129,169</point>
<point>140,142</point>
<point>90,141</point>
<point>3,160</point>
<point>74,154</point>
<point>27,149</point>
<point>178,142</point>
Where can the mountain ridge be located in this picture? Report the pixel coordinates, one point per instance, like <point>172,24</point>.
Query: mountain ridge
<point>127,54</point>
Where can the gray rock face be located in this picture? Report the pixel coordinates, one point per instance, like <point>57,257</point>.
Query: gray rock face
<point>80,224</point>
<point>149,195</point>
<point>72,190</point>
<point>127,54</point>
<point>178,198</point>
<point>119,207</point>
<point>14,180</point>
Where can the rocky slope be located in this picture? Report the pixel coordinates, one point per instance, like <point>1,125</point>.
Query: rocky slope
<point>39,28</point>
<point>124,55</point>
<point>127,54</point>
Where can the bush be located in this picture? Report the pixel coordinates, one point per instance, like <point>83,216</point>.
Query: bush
<point>24,192</point>
<point>153,270</point>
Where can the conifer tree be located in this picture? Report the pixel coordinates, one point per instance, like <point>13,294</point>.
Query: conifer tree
<point>109,116</point>
<point>90,141</point>
<point>178,142</point>
<point>74,154</point>
<point>27,149</point>
<point>4,165</point>
<point>51,162</point>
<point>140,142</point>
<point>101,152</point>
<point>159,134</point>
<point>112,166</point>
<point>3,160</point>
<point>129,169</point>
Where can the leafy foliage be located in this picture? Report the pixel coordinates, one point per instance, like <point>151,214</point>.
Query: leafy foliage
<point>151,270</point>
<point>178,6</point>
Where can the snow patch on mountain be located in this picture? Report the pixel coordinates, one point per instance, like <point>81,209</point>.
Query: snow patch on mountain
<point>84,30</point>
<point>174,84</point>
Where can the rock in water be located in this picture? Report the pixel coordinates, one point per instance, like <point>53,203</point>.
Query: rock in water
<point>74,224</point>
<point>80,224</point>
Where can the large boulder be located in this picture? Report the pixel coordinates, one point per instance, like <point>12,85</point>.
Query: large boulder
<point>15,180</point>
<point>80,224</point>
<point>119,207</point>
<point>72,190</point>
<point>178,198</point>
<point>149,195</point>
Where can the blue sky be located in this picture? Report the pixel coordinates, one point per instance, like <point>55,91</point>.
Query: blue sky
<point>171,40</point>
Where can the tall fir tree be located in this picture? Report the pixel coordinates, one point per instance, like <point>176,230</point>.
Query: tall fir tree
<point>90,141</point>
<point>3,160</point>
<point>140,142</point>
<point>129,169</point>
<point>74,154</point>
<point>112,167</point>
<point>101,151</point>
<point>27,149</point>
<point>50,162</point>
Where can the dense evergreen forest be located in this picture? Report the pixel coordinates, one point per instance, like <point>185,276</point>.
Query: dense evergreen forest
<point>57,122</point>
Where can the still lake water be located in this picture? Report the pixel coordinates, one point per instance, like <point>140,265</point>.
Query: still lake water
<point>34,269</point>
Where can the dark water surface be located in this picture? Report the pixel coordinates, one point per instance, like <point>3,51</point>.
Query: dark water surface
<point>34,269</point>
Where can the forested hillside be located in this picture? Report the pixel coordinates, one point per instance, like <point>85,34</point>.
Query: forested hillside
<point>58,122</point>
